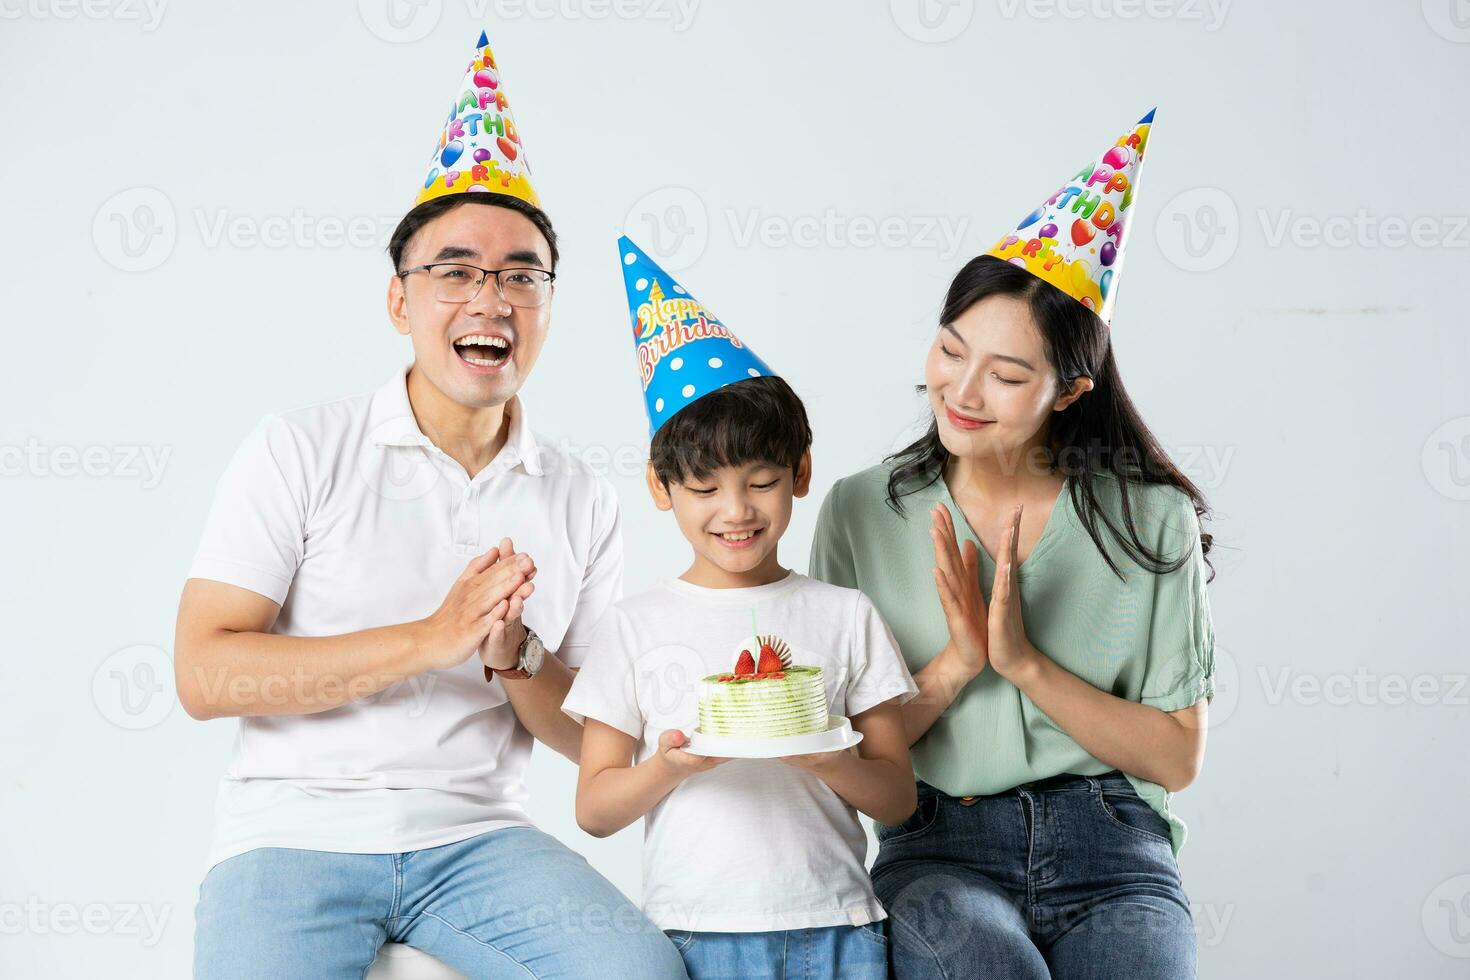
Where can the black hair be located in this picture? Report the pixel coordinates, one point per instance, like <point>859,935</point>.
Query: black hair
<point>755,420</point>
<point>426,212</point>
<point>1099,434</point>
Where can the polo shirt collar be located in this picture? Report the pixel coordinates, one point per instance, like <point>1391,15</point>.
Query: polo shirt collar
<point>391,423</point>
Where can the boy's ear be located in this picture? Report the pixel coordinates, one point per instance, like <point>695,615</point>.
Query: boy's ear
<point>658,491</point>
<point>803,481</point>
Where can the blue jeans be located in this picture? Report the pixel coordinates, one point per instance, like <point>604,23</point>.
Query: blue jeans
<point>510,903</point>
<point>1071,877</point>
<point>831,953</point>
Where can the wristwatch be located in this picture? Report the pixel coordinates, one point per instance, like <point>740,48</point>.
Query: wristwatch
<point>532,656</point>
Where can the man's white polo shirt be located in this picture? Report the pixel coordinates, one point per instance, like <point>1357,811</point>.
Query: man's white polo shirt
<point>350,518</point>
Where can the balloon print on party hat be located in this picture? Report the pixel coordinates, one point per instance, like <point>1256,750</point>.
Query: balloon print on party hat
<point>479,148</point>
<point>1075,239</point>
<point>684,351</point>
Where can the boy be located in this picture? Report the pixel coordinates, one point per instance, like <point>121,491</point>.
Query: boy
<point>754,867</point>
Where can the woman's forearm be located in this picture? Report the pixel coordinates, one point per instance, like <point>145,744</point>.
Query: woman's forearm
<point>1134,738</point>
<point>939,682</point>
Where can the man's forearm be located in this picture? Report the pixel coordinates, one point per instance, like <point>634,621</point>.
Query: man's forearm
<point>537,702</point>
<point>226,673</point>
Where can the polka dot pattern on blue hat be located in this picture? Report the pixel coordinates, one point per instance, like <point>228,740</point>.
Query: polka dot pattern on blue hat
<point>684,351</point>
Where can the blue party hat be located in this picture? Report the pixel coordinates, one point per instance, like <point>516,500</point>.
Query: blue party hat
<point>684,351</point>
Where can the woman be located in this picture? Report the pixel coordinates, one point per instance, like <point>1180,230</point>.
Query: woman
<point>1046,744</point>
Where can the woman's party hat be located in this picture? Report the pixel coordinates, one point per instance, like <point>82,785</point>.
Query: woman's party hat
<point>684,351</point>
<point>1075,239</point>
<point>479,149</point>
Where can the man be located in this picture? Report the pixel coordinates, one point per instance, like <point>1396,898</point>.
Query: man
<point>389,653</point>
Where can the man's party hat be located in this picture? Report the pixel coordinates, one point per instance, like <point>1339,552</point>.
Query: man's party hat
<point>1075,239</point>
<point>479,149</point>
<point>684,351</point>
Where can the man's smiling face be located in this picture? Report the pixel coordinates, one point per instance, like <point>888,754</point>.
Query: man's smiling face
<point>479,353</point>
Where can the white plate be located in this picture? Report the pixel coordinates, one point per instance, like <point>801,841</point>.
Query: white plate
<point>838,736</point>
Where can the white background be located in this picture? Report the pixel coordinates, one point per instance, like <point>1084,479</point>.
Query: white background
<point>1303,360</point>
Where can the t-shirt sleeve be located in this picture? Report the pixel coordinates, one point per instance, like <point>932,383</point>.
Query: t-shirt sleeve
<point>604,689</point>
<point>1181,642</point>
<point>831,558</point>
<point>255,535</point>
<point>602,583</point>
<point>878,672</point>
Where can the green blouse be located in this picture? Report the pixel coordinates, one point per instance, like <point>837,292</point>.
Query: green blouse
<point>1146,637</point>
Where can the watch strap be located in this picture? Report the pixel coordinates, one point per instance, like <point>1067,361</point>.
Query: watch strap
<point>518,672</point>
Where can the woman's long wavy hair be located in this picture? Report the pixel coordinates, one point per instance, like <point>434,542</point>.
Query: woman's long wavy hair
<point>1099,434</point>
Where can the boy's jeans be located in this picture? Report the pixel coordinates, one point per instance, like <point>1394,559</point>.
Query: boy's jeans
<point>833,953</point>
<point>509,903</point>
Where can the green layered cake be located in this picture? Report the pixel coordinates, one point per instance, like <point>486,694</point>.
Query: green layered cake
<point>770,699</point>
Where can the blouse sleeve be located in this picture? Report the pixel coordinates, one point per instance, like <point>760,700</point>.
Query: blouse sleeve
<point>831,559</point>
<point>1181,651</point>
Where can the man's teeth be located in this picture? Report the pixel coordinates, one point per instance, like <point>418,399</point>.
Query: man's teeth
<point>738,535</point>
<point>498,345</point>
<point>481,340</point>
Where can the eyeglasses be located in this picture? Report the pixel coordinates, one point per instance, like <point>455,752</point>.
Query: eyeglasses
<point>456,283</point>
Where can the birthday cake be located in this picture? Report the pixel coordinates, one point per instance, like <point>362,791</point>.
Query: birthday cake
<point>767,696</point>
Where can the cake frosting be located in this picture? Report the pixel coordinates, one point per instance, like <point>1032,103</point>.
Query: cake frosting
<point>768,698</point>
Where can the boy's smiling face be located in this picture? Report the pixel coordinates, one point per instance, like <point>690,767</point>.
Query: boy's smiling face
<point>734,518</point>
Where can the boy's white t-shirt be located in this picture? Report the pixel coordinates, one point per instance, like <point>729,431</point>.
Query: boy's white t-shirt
<point>753,845</point>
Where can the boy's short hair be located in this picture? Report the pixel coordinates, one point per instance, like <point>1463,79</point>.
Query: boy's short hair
<point>757,420</point>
